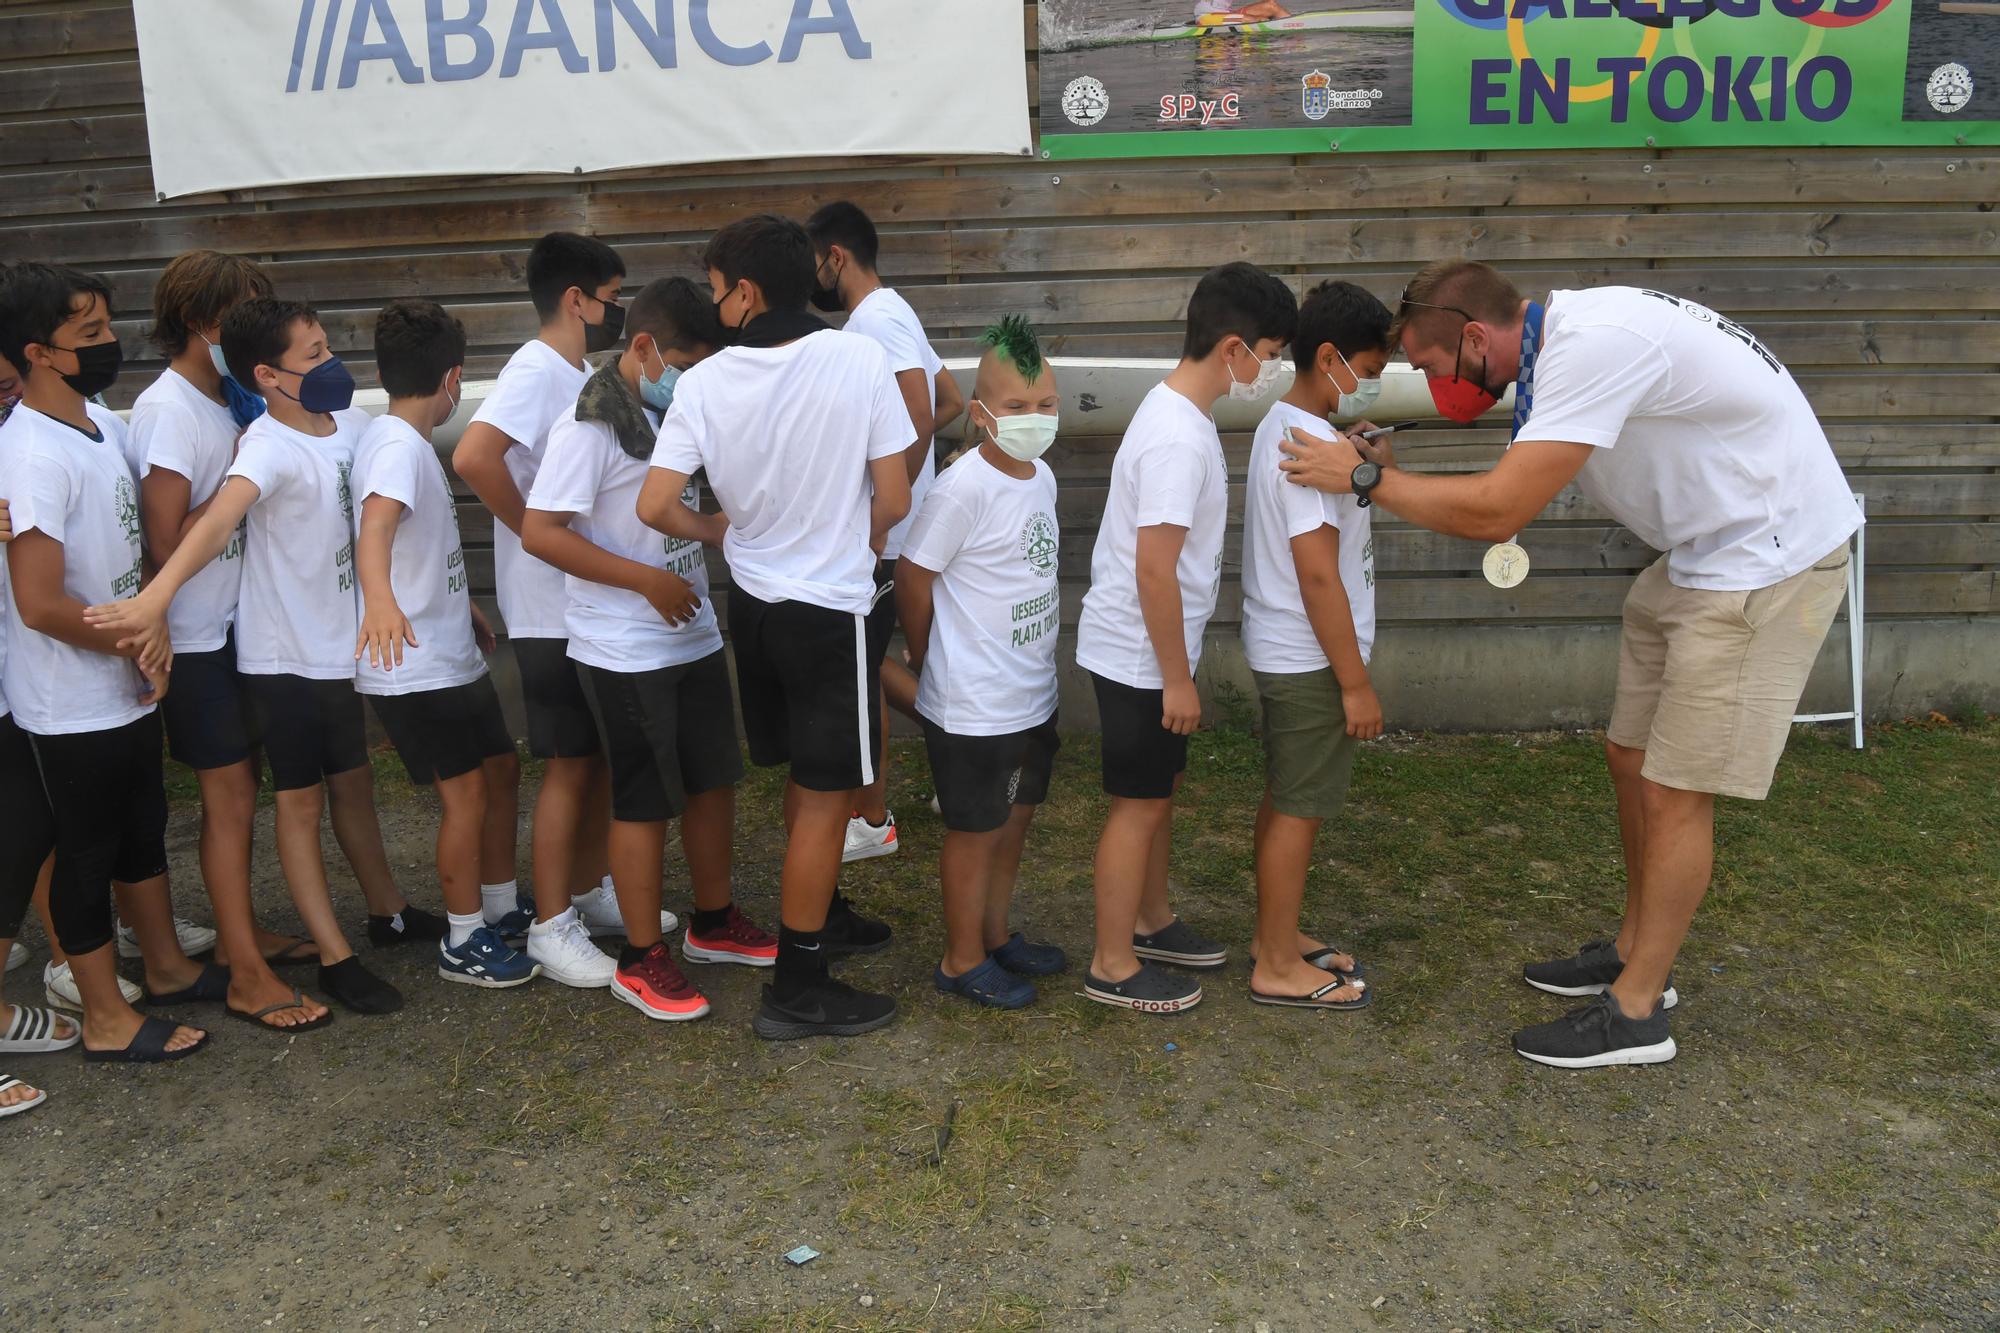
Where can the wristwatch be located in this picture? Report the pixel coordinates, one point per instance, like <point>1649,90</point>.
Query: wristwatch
<point>1365,478</point>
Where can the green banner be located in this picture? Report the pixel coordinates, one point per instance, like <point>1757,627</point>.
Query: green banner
<point>1141,78</point>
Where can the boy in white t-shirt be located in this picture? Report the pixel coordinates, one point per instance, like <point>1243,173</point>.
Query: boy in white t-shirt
<point>420,657</point>
<point>70,686</point>
<point>184,430</point>
<point>1154,577</point>
<point>574,283</point>
<point>643,633</point>
<point>1308,628</point>
<point>979,602</point>
<point>846,249</point>
<point>296,625</point>
<point>803,437</point>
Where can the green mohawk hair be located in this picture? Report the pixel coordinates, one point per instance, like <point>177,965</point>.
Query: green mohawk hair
<point>1015,338</point>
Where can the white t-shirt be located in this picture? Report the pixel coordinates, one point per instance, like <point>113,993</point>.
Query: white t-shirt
<point>1704,445</point>
<point>426,562</point>
<point>1169,469</point>
<point>536,389</point>
<point>83,494</point>
<point>886,317</point>
<point>787,434</point>
<point>1277,636</point>
<point>299,610</point>
<point>990,667</point>
<point>177,427</point>
<point>585,473</point>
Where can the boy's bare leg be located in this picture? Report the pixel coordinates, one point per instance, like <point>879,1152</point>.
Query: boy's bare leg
<point>593,835</point>
<point>1155,912</point>
<point>557,837</point>
<point>1284,854</point>
<point>708,834</point>
<point>1125,877</point>
<point>1012,840</point>
<point>358,830</point>
<point>228,809</point>
<point>966,873</point>
<point>500,823</point>
<point>148,911</point>
<point>305,869</point>
<point>110,1024</point>
<point>637,849</point>
<point>460,840</point>
<point>816,824</point>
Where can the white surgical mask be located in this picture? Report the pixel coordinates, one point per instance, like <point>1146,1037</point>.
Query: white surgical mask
<point>1267,376</point>
<point>215,355</point>
<point>1026,437</point>
<point>1365,391</point>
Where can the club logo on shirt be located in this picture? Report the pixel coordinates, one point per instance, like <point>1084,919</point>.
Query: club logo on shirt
<point>346,470</point>
<point>127,500</point>
<point>1038,543</point>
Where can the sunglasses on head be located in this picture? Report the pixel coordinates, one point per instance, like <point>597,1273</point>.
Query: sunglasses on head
<point>1403,308</point>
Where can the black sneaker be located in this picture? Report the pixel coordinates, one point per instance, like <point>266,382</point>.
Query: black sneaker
<point>409,926</point>
<point>1598,1034</point>
<point>847,932</point>
<point>1150,990</point>
<point>1590,971</point>
<point>349,983</point>
<point>826,1008</point>
<point>1180,946</point>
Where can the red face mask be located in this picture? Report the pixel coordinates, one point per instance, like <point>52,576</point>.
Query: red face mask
<point>1458,398</point>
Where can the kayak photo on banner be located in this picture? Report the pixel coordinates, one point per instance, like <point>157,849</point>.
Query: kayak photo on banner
<point>1207,66</point>
<point>1145,78</point>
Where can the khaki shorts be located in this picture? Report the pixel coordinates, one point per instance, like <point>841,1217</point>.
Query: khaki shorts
<point>1708,681</point>
<point>1308,755</point>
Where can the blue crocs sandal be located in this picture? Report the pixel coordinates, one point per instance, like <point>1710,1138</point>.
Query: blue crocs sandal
<point>1020,957</point>
<point>989,984</point>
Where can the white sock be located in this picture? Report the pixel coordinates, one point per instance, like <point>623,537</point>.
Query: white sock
<point>498,899</point>
<point>462,927</point>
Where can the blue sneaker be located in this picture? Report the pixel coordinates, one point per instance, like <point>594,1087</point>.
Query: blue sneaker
<point>1024,959</point>
<point>989,984</point>
<point>485,960</point>
<point>513,927</point>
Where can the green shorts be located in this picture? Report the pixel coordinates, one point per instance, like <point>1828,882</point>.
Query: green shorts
<point>1308,755</point>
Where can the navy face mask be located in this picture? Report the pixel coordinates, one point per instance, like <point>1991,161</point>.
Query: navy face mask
<point>327,387</point>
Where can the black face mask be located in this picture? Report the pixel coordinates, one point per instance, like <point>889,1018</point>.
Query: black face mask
<point>730,336</point>
<point>97,367</point>
<point>607,332</point>
<point>827,299</point>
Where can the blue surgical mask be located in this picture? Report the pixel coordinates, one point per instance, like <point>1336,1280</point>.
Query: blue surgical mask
<point>216,358</point>
<point>658,394</point>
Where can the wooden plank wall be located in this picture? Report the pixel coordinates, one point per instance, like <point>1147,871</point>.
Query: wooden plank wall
<point>1874,274</point>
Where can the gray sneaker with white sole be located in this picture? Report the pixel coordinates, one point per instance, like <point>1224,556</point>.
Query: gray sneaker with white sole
<point>1589,971</point>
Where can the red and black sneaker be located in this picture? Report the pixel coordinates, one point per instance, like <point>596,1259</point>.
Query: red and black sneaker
<point>740,940</point>
<point>656,988</point>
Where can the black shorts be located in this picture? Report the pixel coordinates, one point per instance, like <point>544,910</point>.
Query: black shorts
<point>312,729</point>
<point>882,614</point>
<point>1141,757</point>
<point>27,829</point>
<point>811,691</point>
<point>109,805</point>
<point>669,734</point>
<point>444,733</point>
<point>559,721</point>
<point>210,723</point>
<point>981,779</point>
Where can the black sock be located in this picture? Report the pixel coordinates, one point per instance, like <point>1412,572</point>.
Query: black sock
<point>709,923</point>
<point>801,961</point>
<point>632,955</point>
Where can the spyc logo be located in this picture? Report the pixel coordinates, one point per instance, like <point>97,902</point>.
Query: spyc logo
<point>1313,98</point>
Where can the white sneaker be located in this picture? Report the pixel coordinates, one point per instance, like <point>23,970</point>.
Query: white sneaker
<point>17,956</point>
<point>864,840</point>
<point>60,987</point>
<point>195,940</point>
<point>562,946</point>
<point>598,910</point>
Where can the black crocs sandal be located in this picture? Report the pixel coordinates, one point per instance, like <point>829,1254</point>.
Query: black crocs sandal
<point>1178,944</point>
<point>147,1047</point>
<point>211,987</point>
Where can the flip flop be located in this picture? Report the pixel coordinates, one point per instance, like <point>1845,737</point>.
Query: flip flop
<point>211,987</point>
<point>33,1032</point>
<point>289,956</point>
<point>9,1081</point>
<point>148,1046</point>
<point>1323,960</point>
<point>1318,1000</point>
<point>297,1001</point>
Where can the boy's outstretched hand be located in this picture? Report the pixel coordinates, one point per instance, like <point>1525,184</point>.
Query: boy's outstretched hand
<point>384,631</point>
<point>141,626</point>
<point>673,597</point>
<point>1364,712</point>
<point>1180,708</point>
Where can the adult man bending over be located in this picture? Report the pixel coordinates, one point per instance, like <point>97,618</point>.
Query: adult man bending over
<point>1681,425</point>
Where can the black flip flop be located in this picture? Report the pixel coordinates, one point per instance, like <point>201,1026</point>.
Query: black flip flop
<point>1319,958</point>
<point>289,956</point>
<point>298,1001</point>
<point>148,1046</point>
<point>211,987</point>
<point>1318,1000</point>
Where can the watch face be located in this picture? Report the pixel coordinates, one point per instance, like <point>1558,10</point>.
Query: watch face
<point>1367,474</point>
